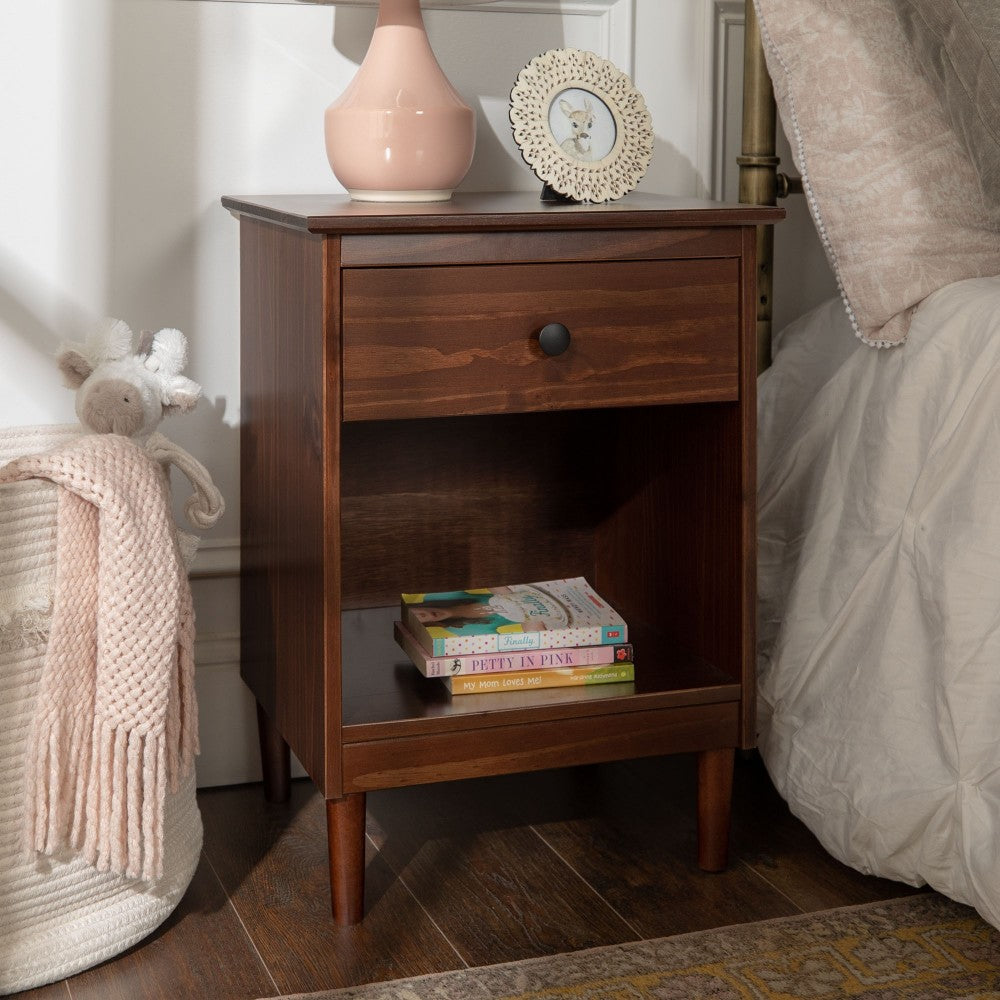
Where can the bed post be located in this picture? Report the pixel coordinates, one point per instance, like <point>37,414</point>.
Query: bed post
<point>759,169</point>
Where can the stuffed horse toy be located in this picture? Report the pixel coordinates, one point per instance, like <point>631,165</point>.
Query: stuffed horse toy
<point>126,384</point>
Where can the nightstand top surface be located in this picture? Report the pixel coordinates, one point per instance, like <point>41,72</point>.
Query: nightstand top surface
<point>332,213</point>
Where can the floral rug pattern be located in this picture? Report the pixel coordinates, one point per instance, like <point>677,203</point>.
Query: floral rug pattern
<point>920,947</point>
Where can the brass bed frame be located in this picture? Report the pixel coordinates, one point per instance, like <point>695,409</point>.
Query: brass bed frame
<point>760,181</point>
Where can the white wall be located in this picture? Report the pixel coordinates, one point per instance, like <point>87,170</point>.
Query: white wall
<point>125,121</point>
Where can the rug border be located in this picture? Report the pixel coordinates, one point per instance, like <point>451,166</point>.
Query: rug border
<point>334,992</point>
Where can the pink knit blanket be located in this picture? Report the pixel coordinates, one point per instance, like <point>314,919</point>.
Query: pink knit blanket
<point>115,722</point>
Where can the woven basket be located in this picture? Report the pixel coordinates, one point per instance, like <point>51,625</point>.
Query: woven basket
<point>59,916</point>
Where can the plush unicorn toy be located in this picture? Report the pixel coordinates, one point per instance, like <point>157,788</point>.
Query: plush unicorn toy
<point>125,384</point>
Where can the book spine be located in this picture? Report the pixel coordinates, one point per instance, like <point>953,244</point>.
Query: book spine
<point>527,680</point>
<point>540,659</point>
<point>552,638</point>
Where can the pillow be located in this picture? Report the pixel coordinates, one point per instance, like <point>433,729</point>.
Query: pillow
<point>957,43</point>
<point>892,192</point>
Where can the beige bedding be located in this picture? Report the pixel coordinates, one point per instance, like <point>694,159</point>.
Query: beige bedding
<point>879,590</point>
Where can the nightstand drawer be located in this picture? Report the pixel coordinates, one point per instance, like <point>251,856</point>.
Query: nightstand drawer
<point>440,341</point>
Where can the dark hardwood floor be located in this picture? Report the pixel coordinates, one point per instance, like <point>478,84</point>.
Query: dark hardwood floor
<point>469,873</point>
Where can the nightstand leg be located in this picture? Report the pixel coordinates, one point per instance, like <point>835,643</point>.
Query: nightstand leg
<point>345,830</point>
<point>275,761</point>
<point>715,796</point>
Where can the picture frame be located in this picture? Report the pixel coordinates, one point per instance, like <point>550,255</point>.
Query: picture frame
<point>581,125</point>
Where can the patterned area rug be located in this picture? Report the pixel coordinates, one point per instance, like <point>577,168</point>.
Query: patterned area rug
<point>922,947</point>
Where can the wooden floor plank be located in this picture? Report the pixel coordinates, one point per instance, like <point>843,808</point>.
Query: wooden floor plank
<point>272,860</point>
<point>632,836</point>
<point>474,872</point>
<point>492,885</point>
<point>199,951</point>
<point>784,852</point>
<point>54,991</point>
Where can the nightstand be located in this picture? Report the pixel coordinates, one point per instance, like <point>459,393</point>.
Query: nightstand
<point>404,428</point>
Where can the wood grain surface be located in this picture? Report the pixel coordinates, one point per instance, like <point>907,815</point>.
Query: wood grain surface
<point>288,525</point>
<point>493,211</point>
<point>404,430</point>
<point>470,872</point>
<point>503,247</point>
<point>440,341</point>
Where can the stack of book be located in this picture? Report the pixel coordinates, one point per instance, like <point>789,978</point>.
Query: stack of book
<point>516,638</point>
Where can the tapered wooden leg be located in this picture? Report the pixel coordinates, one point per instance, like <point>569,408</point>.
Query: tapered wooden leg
<point>275,760</point>
<point>715,798</point>
<point>345,830</point>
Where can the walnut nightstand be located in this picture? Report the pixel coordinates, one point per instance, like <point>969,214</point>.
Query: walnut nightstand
<point>403,429</point>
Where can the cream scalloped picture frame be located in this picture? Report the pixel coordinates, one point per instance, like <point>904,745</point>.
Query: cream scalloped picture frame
<point>581,125</point>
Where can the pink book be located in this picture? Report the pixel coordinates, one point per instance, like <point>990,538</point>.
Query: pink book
<point>490,663</point>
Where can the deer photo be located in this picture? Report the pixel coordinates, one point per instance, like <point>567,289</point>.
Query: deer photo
<point>578,144</point>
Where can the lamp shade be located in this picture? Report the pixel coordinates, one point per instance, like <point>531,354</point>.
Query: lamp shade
<point>400,131</point>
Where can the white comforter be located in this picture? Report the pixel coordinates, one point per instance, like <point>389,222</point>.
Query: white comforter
<point>879,587</point>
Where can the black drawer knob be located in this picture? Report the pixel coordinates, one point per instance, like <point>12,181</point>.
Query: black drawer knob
<point>553,339</point>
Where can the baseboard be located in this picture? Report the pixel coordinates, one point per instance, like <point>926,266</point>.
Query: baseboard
<point>227,715</point>
<point>215,558</point>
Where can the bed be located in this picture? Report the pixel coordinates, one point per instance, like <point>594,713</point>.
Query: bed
<point>879,442</point>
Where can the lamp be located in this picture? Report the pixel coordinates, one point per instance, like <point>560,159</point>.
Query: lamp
<point>400,131</point>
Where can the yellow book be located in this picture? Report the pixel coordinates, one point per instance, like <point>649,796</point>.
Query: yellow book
<point>527,680</point>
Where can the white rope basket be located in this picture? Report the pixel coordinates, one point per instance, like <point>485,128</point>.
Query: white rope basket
<point>59,916</point>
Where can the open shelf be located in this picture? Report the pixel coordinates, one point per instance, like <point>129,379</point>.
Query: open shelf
<point>384,695</point>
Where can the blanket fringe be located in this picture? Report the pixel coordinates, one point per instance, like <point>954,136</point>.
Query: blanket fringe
<point>115,723</point>
<point>110,807</point>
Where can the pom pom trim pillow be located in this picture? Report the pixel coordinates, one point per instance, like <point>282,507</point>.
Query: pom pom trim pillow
<point>893,194</point>
<point>957,43</point>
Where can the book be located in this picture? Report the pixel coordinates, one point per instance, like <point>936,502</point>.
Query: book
<point>552,614</point>
<point>505,662</point>
<point>528,680</point>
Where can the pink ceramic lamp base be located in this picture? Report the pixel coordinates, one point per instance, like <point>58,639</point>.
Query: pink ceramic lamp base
<point>400,132</point>
<point>400,196</point>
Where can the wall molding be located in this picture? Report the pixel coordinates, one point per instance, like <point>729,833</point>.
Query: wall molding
<point>617,29</point>
<point>617,17</point>
<point>722,70</point>
<point>216,558</point>
<point>727,63</point>
<point>227,715</point>
<point>217,649</point>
